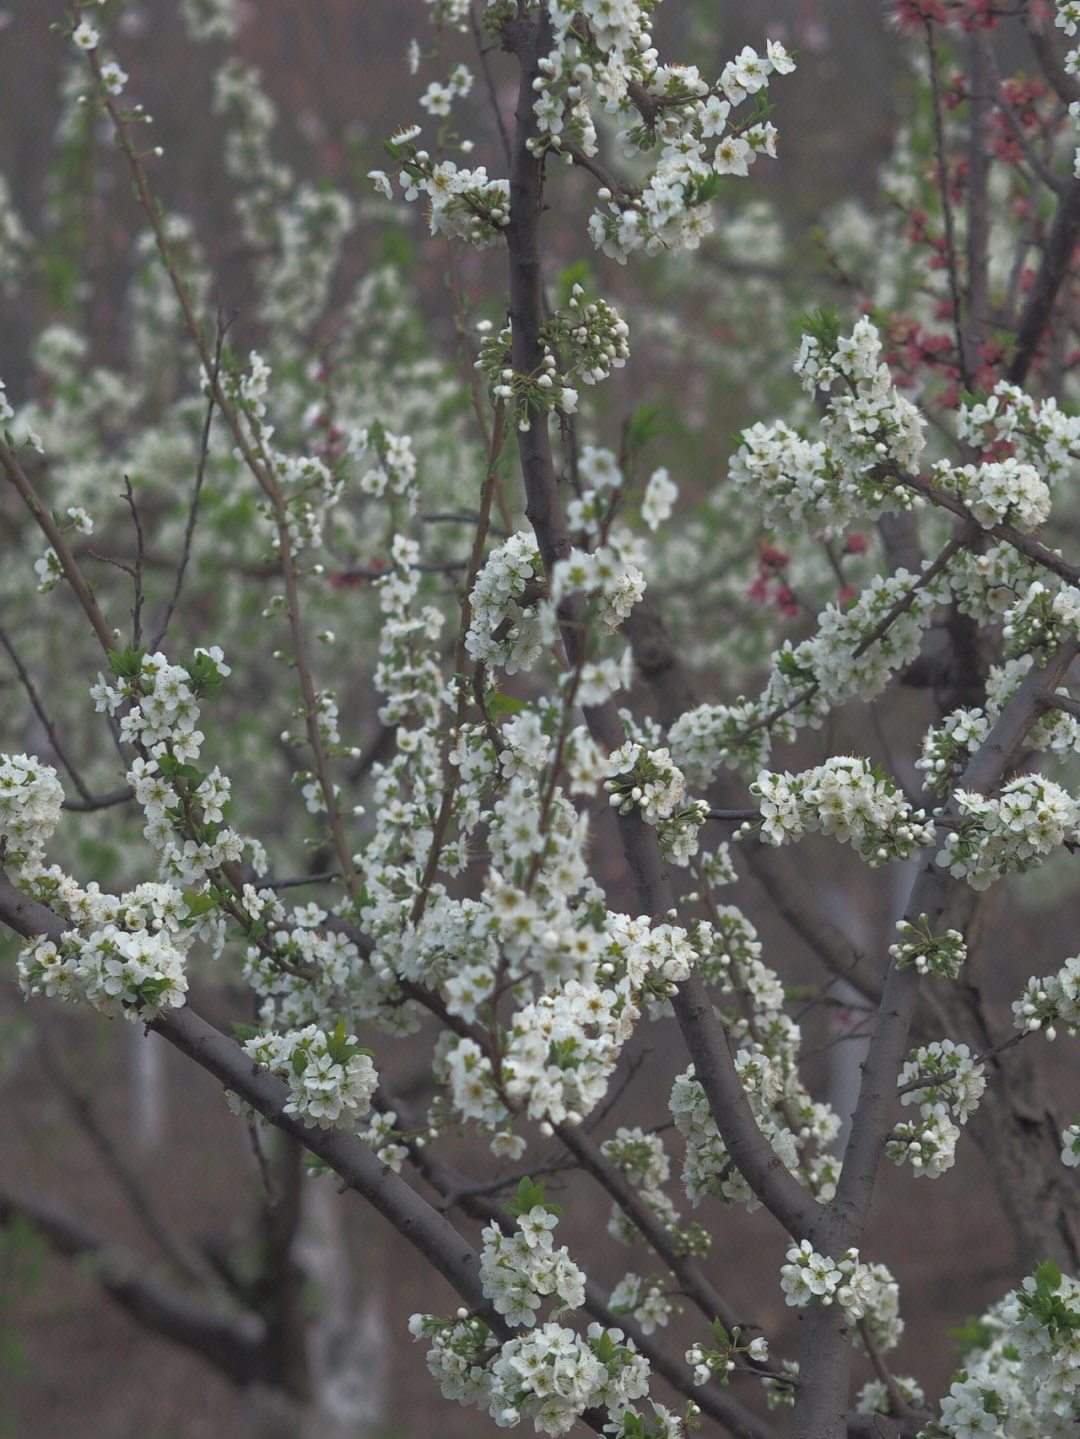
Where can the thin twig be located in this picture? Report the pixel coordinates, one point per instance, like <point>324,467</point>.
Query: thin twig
<point>946,208</point>
<point>101,801</point>
<point>39,709</point>
<point>187,1259</point>
<point>193,510</point>
<point>137,571</point>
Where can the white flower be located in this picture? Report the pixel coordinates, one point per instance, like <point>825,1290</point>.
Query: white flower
<point>113,77</point>
<point>660,494</point>
<point>85,36</point>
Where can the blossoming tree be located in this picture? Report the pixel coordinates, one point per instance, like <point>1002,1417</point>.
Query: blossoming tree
<point>470,898</point>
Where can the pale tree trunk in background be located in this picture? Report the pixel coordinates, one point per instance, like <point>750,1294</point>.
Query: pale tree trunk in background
<point>349,1341</point>
<point>149,1088</point>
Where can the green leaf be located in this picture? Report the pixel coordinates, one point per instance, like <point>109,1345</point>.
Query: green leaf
<point>824,325</point>
<point>529,1196</point>
<point>643,425</point>
<point>579,273</point>
<point>126,663</point>
<point>1047,1277</point>
<point>198,904</point>
<point>496,704</point>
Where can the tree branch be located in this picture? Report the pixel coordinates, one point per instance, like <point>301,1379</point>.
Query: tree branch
<point>231,1342</point>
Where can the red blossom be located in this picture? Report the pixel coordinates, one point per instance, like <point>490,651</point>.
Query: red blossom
<point>772,558</point>
<point>914,14</point>
<point>786,602</point>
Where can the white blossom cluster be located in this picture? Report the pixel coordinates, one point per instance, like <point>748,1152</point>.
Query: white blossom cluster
<point>463,204</point>
<point>718,1362</point>
<point>298,962</point>
<point>730,958</point>
<point>407,672</point>
<point>520,1270</point>
<point>330,1078</point>
<point>1007,491</point>
<point>550,1375</point>
<point>1067,16</point>
<point>867,419</point>
<point>591,337</point>
<point>438,97</point>
<point>210,19</point>
<point>646,780</point>
<point>749,999</point>
<point>846,797</point>
<point>31,799</point>
<point>603,56</point>
<point>985,583</point>
<point>311,228</point>
<point>869,430</point>
<point>544,389</point>
<point>953,1085</point>
<point>707,1167</point>
<point>159,711</point>
<point>1038,619</point>
<point>1051,1001</point>
<point>646,1300</point>
<point>308,487</point>
<point>262,182</point>
<point>514,615</point>
<point>383,1137</point>
<point>1037,431</point>
<point>948,748</point>
<point>1056,731</point>
<point>855,652</point>
<point>1008,832</point>
<point>1022,1382</point>
<point>841,658</point>
<point>388,462</point>
<point>1070,1145</point>
<point>508,627</point>
<point>560,1050</point>
<point>873,1397</point>
<point>697,147</point>
<point>862,1291</point>
<point>124,955</point>
<point>942,955</point>
<point>660,495</point>
<point>607,576</point>
<point>640,1156</point>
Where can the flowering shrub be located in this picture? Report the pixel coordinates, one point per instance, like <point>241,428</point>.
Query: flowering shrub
<point>443,596</point>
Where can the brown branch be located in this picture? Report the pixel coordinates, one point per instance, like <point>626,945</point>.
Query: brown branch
<point>931,894</point>
<point>472,1199</point>
<point>705,1039</point>
<point>187,1259</point>
<point>1056,261</point>
<point>231,1342</point>
<point>426,1229</point>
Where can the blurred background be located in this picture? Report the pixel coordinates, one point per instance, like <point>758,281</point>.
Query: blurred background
<point>127,1151</point>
